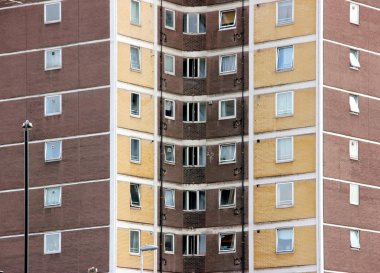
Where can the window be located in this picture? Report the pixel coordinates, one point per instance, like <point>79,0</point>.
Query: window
<point>169,243</point>
<point>134,243</point>
<point>284,58</point>
<point>135,105</point>
<point>284,240</point>
<point>194,156</point>
<point>169,109</point>
<point>227,64</point>
<point>354,59</point>
<point>227,198</point>
<point>134,190</point>
<point>284,149</point>
<point>285,12</point>
<point>227,109</point>
<point>135,12</point>
<point>53,105</point>
<point>169,198</point>
<point>354,104</point>
<point>194,23</point>
<point>169,153</point>
<point>284,104</point>
<point>194,244</point>
<point>53,59</point>
<point>169,19</point>
<point>135,58</point>
<point>53,150</point>
<point>169,64</point>
<point>194,112</point>
<point>52,243</point>
<point>354,14</point>
<point>354,149</point>
<point>52,13</point>
<point>227,242</point>
<point>355,239</point>
<point>227,153</point>
<point>354,194</point>
<point>194,200</point>
<point>194,68</point>
<point>52,197</point>
<point>284,195</point>
<point>135,150</point>
<point>227,19</point>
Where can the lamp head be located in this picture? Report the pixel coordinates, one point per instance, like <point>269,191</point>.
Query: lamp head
<point>27,125</point>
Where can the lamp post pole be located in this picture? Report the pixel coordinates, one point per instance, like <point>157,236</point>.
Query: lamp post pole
<point>142,249</point>
<point>26,126</point>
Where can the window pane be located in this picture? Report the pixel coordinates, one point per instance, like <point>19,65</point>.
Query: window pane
<point>169,108</point>
<point>284,149</point>
<point>354,13</point>
<point>192,202</point>
<point>52,105</point>
<point>169,243</point>
<point>284,58</point>
<point>202,200</point>
<point>53,59</point>
<point>228,64</point>
<point>202,155</point>
<point>354,238</point>
<point>202,111</point>
<point>227,152</point>
<point>354,149</point>
<point>227,242</point>
<point>354,103</point>
<point>135,150</point>
<point>169,64</point>
<point>134,246</point>
<point>52,196</point>
<point>185,23</point>
<point>284,103</point>
<point>227,197</point>
<point>135,104</point>
<point>354,58</point>
<point>202,23</point>
<point>135,12</point>
<point>169,153</point>
<point>284,194</point>
<point>52,243</point>
<point>227,108</point>
<point>285,240</point>
<point>202,67</point>
<point>285,12</point>
<point>202,244</point>
<point>169,198</point>
<point>169,19</point>
<point>354,194</point>
<point>135,195</point>
<point>193,22</point>
<point>53,150</point>
<point>135,58</point>
<point>227,18</point>
<point>53,12</point>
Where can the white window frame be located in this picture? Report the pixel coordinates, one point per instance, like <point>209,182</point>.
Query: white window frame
<point>220,65</point>
<point>130,111</point>
<point>60,13</point>
<point>173,147</point>
<point>284,160</point>
<point>139,50</point>
<point>167,206</point>
<point>220,199</point>
<point>130,15</point>
<point>352,233</point>
<point>169,117</point>
<point>130,239</point>
<point>284,69</point>
<point>198,153</point>
<point>187,76</point>
<point>354,59</point>
<point>198,244</point>
<point>46,205</point>
<point>292,110</point>
<point>285,205</point>
<point>168,27</point>
<point>354,149</point>
<point>45,106</point>
<point>220,19</point>
<point>220,110</point>
<point>60,58</point>
<point>284,23</point>
<point>187,192</point>
<point>198,24</point>
<point>221,251</point>
<point>130,156</point>
<point>130,196</point>
<point>173,245</point>
<point>173,60</point>
<point>354,194</point>
<point>293,239</point>
<point>352,19</point>
<point>60,151</point>
<point>220,153</point>
<point>188,114</point>
<point>59,243</point>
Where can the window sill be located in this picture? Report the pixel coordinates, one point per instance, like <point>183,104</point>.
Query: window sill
<point>284,161</point>
<point>196,33</point>
<point>135,70</point>
<point>227,251</point>
<point>354,68</point>
<point>135,116</point>
<point>166,207</point>
<point>227,162</point>
<point>285,115</point>
<point>170,28</point>
<point>227,73</point>
<point>53,160</point>
<point>285,252</point>
<point>354,113</point>
<point>227,206</point>
<point>284,70</point>
<point>135,207</point>
<point>229,117</point>
<point>284,24</point>
<point>169,252</point>
<point>355,248</point>
<point>135,24</point>
<point>169,73</point>
<point>135,162</point>
<point>52,206</point>
<point>191,122</point>
<point>52,22</point>
<point>284,206</point>
<point>194,166</point>
<point>169,163</point>
<point>354,159</point>
<point>192,255</point>
<point>53,68</point>
<point>50,253</point>
<point>53,114</point>
<point>227,28</point>
<point>194,210</point>
<point>134,254</point>
<point>171,118</point>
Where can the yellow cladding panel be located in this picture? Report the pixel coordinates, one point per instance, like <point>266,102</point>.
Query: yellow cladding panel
<point>145,76</point>
<point>124,258</point>
<point>265,21</point>
<point>265,203</point>
<point>144,123</point>
<point>125,166</point>
<point>303,70</point>
<point>304,248</point>
<point>303,155</point>
<point>143,31</point>
<point>125,212</point>
<point>265,112</point>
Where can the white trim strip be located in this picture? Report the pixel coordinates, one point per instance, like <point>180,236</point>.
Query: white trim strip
<point>351,92</point>
<point>291,269</point>
<point>285,133</point>
<point>285,87</point>
<point>208,186</point>
<point>134,134</point>
<point>134,179</point>
<point>352,47</point>
<point>333,271</point>
<point>364,5</point>
<point>282,224</point>
<point>286,42</point>
<point>352,182</point>
<point>200,9</point>
<point>351,137</point>
<point>349,227</point>
<point>28,4</point>
<point>285,178</point>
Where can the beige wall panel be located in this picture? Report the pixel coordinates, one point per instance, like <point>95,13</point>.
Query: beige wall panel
<point>125,166</point>
<point>304,248</point>
<point>124,259</point>
<point>303,70</point>
<point>145,123</point>
<point>265,157</point>
<point>265,21</point>
<point>144,31</point>
<point>144,214</point>
<point>265,203</point>
<point>265,112</point>
<point>145,76</point>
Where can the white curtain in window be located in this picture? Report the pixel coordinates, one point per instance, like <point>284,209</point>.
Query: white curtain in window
<point>284,194</point>
<point>135,12</point>
<point>284,103</point>
<point>135,58</point>
<point>53,196</point>
<point>354,194</point>
<point>285,58</point>
<point>354,103</point>
<point>354,238</point>
<point>354,13</point>
<point>169,64</point>
<point>135,242</point>
<point>354,58</point>
<point>284,149</point>
<point>285,12</point>
<point>169,198</point>
<point>53,58</point>
<point>227,152</point>
<point>52,243</point>
<point>228,64</point>
<point>284,239</point>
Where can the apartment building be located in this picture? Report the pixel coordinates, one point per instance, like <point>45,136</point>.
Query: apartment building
<point>236,136</point>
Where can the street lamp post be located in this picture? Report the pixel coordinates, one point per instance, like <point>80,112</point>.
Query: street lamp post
<point>27,125</point>
<point>142,249</point>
